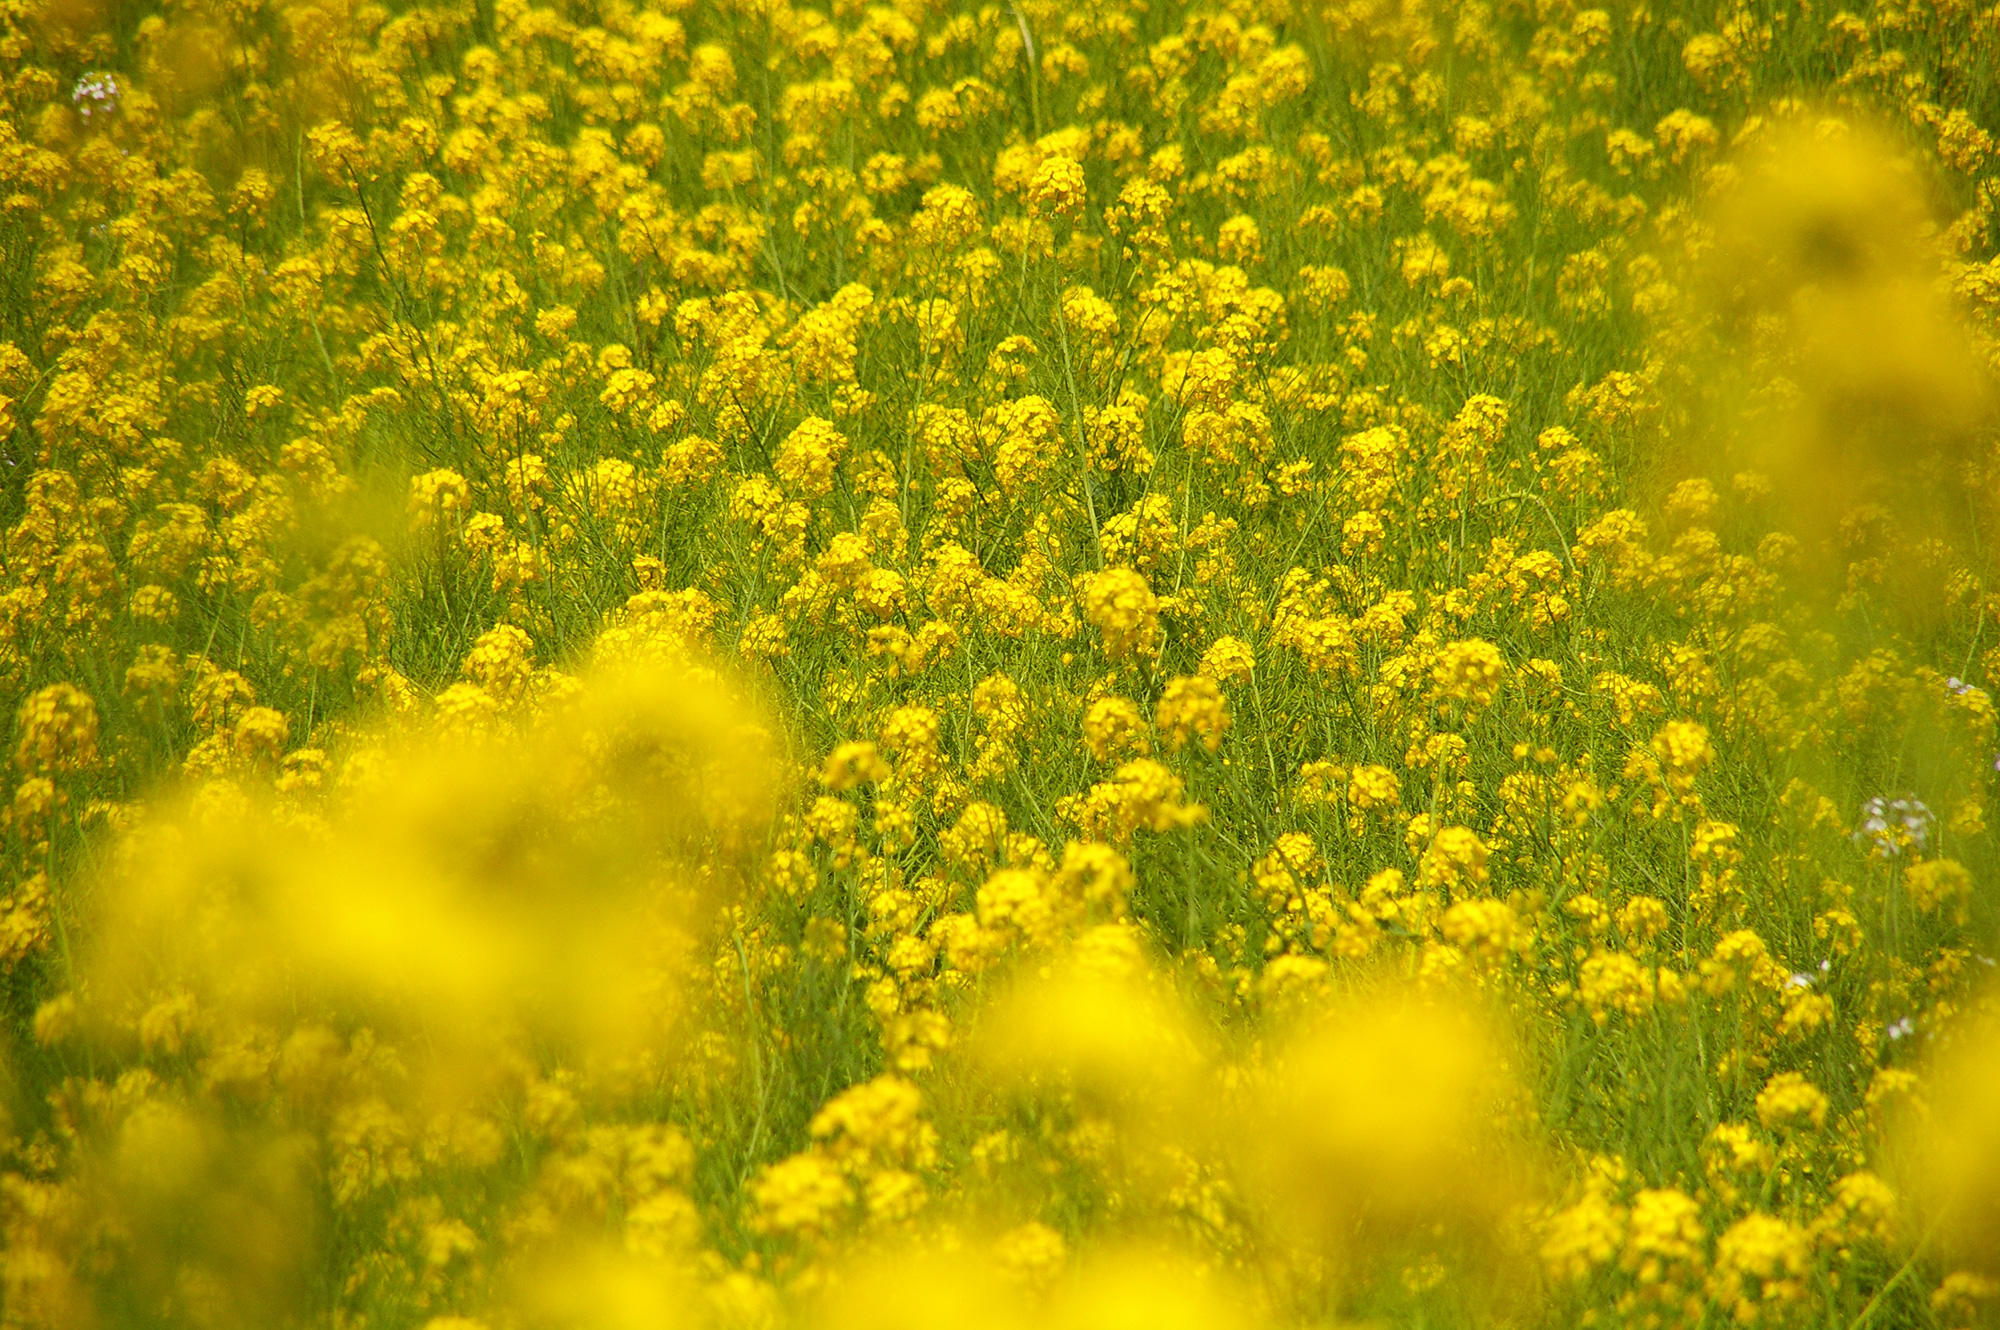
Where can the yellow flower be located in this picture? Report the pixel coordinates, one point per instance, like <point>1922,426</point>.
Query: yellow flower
<point>808,456</point>
<point>851,764</point>
<point>805,1196</point>
<point>1228,658</point>
<point>1455,860</point>
<point>1684,751</point>
<point>58,731</point>
<point>1761,1264</point>
<point>1057,188</point>
<point>1789,1100</point>
<point>1665,1245</point>
<point>1584,1237</point>
<point>1113,728</point>
<point>1469,672</point>
<point>1487,929</point>
<point>1120,605</point>
<point>1030,437</point>
<point>1142,794</point>
<point>948,219</point>
<point>876,1124</point>
<point>437,497</point>
<point>1936,883</point>
<point>1383,1120</point>
<point>1192,705</point>
<point>1370,786</point>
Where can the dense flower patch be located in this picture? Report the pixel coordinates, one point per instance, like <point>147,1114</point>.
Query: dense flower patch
<point>916,664</point>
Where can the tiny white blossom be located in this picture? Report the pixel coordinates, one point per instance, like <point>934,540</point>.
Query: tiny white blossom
<point>95,94</point>
<point>1888,826</point>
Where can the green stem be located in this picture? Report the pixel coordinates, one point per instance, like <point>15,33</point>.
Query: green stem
<point>1894,1280</point>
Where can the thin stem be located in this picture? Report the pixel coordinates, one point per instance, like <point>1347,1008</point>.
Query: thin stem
<point>1895,1280</point>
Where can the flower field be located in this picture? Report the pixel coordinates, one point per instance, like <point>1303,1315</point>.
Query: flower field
<point>1136,664</point>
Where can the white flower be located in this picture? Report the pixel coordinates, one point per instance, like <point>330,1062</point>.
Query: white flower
<point>1888,826</point>
<point>95,94</point>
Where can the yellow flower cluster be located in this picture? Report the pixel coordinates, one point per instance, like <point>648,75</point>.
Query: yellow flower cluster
<point>1217,664</point>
